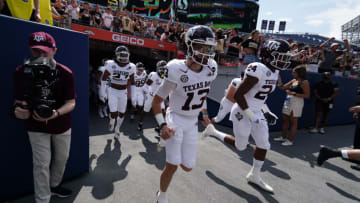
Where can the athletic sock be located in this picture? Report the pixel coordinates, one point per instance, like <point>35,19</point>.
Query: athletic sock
<point>119,121</point>
<point>257,165</point>
<point>162,195</point>
<point>220,135</point>
<point>344,154</point>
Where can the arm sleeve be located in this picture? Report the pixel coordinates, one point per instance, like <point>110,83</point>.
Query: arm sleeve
<point>165,88</point>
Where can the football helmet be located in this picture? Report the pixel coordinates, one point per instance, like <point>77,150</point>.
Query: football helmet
<point>201,43</point>
<point>122,54</point>
<point>140,67</point>
<point>276,54</point>
<point>161,68</point>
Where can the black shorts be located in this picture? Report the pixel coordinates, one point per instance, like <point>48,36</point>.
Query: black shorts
<point>322,106</point>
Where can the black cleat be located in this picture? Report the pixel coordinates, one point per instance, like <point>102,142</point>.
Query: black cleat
<point>60,191</point>
<point>356,167</point>
<point>325,154</point>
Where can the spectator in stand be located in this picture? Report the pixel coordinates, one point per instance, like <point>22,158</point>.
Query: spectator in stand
<point>251,46</point>
<point>325,93</point>
<point>233,45</point>
<point>296,90</point>
<point>107,19</point>
<point>96,16</point>
<point>219,49</point>
<point>85,14</point>
<point>330,56</point>
<point>73,10</point>
<point>128,24</point>
<point>148,31</point>
<point>314,59</point>
<point>137,28</point>
<point>165,37</point>
<point>159,30</point>
<point>347,64</point>
<point>117,23</point>
<point>27,10</point>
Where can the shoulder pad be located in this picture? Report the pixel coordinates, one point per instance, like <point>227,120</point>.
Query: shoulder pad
<point>255,69</point>
<point>176,68</point>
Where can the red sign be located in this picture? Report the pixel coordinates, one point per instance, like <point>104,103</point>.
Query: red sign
<point>105,35</point>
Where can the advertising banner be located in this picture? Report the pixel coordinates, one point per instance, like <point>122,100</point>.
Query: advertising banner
<point>105,35</point>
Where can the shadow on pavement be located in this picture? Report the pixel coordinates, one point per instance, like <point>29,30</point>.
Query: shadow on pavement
<point>246,196</point>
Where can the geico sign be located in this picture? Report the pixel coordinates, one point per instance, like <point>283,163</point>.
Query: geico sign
<point>126,39</point>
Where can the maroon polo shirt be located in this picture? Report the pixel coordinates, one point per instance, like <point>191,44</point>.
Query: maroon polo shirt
<point>64,90</point>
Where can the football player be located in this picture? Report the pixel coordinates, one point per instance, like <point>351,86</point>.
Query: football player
<point>102,107</point>
<point>138,100</point>
<point>259,81</point>
<point>187,83</point>
<point>121,73</point>
<point>153,83</point>
<point>228,101</point>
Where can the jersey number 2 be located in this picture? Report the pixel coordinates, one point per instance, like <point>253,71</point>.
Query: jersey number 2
<point>190,96</point>
<point>262,94</point>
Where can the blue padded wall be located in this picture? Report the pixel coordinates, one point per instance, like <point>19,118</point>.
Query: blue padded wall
<point>338,115</point>
<point>73,51</point>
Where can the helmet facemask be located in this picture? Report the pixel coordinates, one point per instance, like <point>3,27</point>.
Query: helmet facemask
<point>280,61</point>
<point>122,57</point>
<point>201,52</point>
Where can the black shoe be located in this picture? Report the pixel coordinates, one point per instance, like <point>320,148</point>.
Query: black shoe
<point>60,191</point>
<point>356,167</point>
<point>140,127</point>
<point>326,153</point>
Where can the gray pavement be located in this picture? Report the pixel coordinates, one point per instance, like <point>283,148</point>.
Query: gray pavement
<point>128,170</point>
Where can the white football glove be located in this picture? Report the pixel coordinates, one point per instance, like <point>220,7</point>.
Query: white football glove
<point>252,117</point>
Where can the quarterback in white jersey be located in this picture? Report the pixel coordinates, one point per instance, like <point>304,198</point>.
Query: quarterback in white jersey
<point>260,80</point>
<point>187,83</point>
<point>121,73</point>
<point>153,83</point>
<point>140,91</point>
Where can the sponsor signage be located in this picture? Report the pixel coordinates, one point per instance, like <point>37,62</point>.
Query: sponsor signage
<point>105,35</point>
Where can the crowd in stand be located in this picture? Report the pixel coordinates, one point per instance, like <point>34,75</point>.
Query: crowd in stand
<point>233,49</point>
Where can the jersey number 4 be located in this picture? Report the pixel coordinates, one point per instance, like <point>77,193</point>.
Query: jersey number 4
<point>262,94</point>
<point>190,96</point>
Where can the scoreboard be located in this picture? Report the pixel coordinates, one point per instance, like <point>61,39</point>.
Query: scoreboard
<point>241,14</point>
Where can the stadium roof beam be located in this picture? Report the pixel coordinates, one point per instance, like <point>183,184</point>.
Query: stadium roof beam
<point>351,31</point>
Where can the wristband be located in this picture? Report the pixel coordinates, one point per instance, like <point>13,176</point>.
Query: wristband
<point>249,114</point>
<point>160,119</point>
<point>205,114</point>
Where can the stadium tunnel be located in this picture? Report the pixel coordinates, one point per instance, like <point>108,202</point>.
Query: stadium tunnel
<point>149,57</point>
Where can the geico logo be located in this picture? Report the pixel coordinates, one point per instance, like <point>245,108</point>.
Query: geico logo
<point>126,39</point>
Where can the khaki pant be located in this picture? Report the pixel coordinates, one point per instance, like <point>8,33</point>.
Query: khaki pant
<point>44,177</point>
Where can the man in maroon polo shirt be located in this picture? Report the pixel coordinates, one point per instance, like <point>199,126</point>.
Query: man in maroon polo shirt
<point>53,130</point>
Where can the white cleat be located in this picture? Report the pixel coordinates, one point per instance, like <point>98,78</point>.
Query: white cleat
<point>111,124</point>
<point>259,182</point>
<point>117,132</point>
<point>209,130</point>
<point>158,200</point>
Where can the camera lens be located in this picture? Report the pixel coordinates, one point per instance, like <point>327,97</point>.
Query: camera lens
<point>44,111</point>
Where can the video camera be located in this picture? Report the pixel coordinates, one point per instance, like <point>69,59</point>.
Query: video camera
<point>39,78</point>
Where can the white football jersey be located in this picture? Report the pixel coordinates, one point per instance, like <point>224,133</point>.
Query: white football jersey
<point>192,87</point>
<point>140,80</point>
<point>258,94</point>
<point>119,75</point>
<point>156,81</point>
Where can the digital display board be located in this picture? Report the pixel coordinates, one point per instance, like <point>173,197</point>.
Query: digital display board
<point>219,13</point>
<point>154,8</point>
